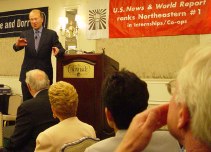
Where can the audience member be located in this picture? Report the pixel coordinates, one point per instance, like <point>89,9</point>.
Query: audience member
<point>124,95</point>
<point>34,115</point>
<point>64,103</point>
<point>188,114</point>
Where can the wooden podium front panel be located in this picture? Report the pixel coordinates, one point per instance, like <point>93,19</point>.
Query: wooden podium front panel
<point>90,108</point>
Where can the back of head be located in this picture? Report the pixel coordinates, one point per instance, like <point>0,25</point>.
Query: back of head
<point>37,79</point>
<point>125,95</point>
<point>194,89</point>
<point>64,99</point>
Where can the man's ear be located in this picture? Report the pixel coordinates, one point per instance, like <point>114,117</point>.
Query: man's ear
<point>28,86</point>
<point>184,116</point>
<point>108,115</point>
<point>109,118</point>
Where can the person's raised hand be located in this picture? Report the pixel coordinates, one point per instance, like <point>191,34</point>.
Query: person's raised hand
<point>21,42</point>
<point>141,128</point>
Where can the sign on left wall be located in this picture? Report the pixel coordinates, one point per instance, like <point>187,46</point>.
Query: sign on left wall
<point>12,23</point>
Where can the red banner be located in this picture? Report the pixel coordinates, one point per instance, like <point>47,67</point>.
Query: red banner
<point>136,18</point>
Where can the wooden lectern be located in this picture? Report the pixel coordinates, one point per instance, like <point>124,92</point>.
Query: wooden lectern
<point>87,72</point>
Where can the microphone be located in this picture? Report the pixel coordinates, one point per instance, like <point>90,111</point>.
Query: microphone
<point>35,37</point>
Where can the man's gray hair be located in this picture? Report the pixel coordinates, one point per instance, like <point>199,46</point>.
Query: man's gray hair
<point>194,89</point>
<point>37,79</point>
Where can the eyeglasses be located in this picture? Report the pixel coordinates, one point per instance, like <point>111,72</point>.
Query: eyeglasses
<point>171,86</point>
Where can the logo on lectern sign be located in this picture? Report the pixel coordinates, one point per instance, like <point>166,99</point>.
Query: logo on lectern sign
<point>78,69</point>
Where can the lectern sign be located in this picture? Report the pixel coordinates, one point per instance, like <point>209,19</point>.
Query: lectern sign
<point>78,69</point>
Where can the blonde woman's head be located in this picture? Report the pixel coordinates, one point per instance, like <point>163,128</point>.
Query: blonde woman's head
<point>64,99</point>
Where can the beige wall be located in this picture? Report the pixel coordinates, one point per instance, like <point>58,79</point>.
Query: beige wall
<point>150,57</point>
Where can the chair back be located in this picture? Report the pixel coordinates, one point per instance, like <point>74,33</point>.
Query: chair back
<point>14,102</point>
<point>79,145</point>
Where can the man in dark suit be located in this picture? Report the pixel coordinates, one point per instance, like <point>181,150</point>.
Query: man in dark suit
<point>39,44</point>
<point>33,115</point>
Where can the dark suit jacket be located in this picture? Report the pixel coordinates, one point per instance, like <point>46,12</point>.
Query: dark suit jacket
<point>42,59</point>
<point>33,117</point>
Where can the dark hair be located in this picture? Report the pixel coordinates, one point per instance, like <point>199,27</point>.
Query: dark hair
<point>125,95</point>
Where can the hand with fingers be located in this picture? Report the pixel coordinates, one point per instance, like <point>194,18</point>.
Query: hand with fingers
<point>55,51</point>
<point>21,42</point>
<point>141,128</point>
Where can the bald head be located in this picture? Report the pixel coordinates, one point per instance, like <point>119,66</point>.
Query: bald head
<point>37,79</point>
